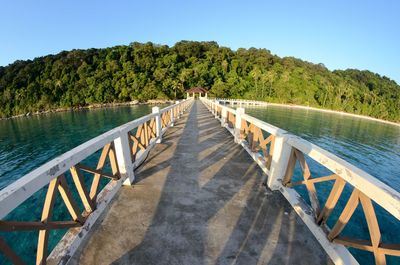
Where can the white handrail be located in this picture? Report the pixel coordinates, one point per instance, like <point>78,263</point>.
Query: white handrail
<point>284,150</point>
<point>380,192</point>
<point>20,190</point>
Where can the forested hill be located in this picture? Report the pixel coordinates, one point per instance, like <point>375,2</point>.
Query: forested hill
<point>150,71</point>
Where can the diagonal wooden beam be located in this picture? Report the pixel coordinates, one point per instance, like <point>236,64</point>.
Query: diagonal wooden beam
<point>390,249</point>
<point>290,168</point>
<point>312,192</point>
<point>146,134</point>
<point>333,198</point>
<point>152,127</point>
<point>264,141</point>
<point>12,226</point>
<point>96,171</point>
<point>137,142</point>
<point>354,243</point>
<point>131,143</point>
<point>314,180</point>
<point>9,253</point>
<point>373,228</point>
<point>77,177</point>
<point>270,139</point>
<point>43,239</point>
<point>134,146</point>
<point>164,120</point>
<point>69,200</point>
<point>140,135</point>
<point>303,164</point>
<point>345,215</point>
<point>324,178</point>
<point>113,161</point>
<point>149,130</point>
<point>260,137</point>
<point>253,137</point>
<point>97,177</point>
<point>244,129</point>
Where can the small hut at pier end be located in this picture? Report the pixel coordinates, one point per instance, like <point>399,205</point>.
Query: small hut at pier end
<point>196,92</point>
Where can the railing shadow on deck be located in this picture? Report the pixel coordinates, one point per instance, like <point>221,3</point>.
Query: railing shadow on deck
<point>286,160</point>
<point>257,228</point>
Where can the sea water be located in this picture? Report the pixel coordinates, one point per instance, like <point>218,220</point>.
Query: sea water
<point>27,143</point>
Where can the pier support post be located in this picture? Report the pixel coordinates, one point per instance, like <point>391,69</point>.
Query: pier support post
<point>238,123</point>
<point>224,116</point>
<point>124,159</point>
<point>156,110</point>
<point>280,160</point>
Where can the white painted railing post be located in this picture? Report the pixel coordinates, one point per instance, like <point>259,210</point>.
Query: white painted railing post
<point>156,110</point>
<point>124,158</point>
<point>238,123</point>
<point>224,116</point>
<point>216,109</point>
<point>280,160</point>
<point>171,113</point>
<point>178,110</point>
<point>181,108</point>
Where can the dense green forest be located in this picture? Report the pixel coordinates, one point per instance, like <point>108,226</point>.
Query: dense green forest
<point>149,71</point>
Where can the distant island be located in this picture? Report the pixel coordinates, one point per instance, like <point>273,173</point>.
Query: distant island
<point>78,78</point>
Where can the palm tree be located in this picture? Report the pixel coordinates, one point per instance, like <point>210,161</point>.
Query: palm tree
<point>256,74</point>
<point>176,85</point>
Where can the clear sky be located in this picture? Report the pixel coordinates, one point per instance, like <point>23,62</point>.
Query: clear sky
<point>340,34</point>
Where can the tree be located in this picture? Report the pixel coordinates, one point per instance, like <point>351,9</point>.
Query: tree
<point>256,75</point>
<point>177,86</point>
<point>147,71</point>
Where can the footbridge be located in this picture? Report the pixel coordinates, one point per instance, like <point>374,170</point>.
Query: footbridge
<point>197,182</point>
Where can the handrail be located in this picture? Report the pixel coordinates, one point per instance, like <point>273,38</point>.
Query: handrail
<point>125,147</point>
<point>248,102</point>
<point>277,152</point>
<point>20,190</point>
<point>378,191</point>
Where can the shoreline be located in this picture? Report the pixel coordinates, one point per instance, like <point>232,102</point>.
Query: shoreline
<point>329,111</point>
<point>91,107</point>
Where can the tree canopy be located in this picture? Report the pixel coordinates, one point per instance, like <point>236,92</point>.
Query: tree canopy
<point>150,71</point>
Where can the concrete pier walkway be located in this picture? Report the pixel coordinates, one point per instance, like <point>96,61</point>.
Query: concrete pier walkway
<point>199,200</point>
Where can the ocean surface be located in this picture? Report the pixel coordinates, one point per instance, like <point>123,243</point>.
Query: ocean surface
<point>27,143</point>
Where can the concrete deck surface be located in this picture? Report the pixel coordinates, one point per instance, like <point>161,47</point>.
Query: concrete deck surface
<point>199,200</point>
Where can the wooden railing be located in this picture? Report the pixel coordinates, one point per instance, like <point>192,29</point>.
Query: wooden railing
<point>277,152</point>
<point>122,148</point>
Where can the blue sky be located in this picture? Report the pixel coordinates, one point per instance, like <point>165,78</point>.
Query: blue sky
<point>340,34</point>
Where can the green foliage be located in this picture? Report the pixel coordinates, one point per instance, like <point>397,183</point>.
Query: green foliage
<point>149,71</point>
